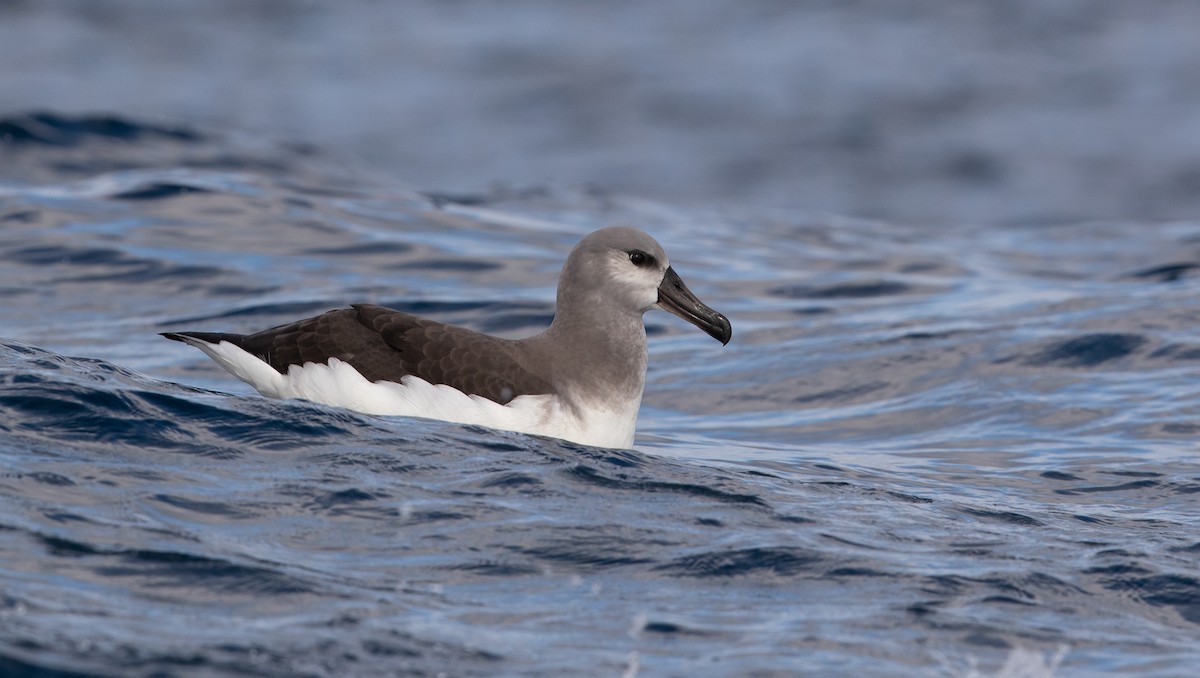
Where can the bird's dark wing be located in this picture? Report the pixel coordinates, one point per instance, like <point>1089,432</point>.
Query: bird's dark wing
<point>385,345</point>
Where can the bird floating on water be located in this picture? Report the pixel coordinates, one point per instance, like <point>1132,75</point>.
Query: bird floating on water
<point>580,380</point>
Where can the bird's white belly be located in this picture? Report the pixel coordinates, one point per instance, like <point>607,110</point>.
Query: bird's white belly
<point>339,384</point>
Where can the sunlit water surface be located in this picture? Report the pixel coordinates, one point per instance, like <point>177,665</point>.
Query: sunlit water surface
<point>927,451</point>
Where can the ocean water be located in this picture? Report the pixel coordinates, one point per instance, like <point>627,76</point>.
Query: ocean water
<point>1013,111</point>
<point>927,450</point>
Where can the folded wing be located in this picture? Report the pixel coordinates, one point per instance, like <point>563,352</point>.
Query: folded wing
<point>383,344</point>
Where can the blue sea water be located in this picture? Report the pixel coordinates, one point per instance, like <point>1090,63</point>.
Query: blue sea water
<point>927,451</point>
<point>956,434</point>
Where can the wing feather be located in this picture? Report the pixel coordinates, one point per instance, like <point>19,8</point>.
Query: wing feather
<point>383,344</point>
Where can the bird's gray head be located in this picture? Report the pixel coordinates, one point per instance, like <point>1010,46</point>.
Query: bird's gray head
<point>624,266</point>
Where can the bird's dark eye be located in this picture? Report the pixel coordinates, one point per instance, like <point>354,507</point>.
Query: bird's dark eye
<point>640,258</point>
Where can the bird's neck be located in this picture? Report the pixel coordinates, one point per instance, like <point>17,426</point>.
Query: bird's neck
<point>598,350</point>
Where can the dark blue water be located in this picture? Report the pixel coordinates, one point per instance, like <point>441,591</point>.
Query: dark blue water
<point>1013,111</point>
<point>927,451</point>
<point>955,434</point>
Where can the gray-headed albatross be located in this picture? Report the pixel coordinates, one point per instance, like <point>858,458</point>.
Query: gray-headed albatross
<point>581,379</point>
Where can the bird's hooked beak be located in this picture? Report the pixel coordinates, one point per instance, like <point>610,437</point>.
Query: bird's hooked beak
<point>675,297</point>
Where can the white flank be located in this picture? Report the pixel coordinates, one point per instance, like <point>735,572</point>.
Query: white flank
<point>339,384</point>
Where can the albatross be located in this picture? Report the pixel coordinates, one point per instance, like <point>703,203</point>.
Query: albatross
<point>580,380</point>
